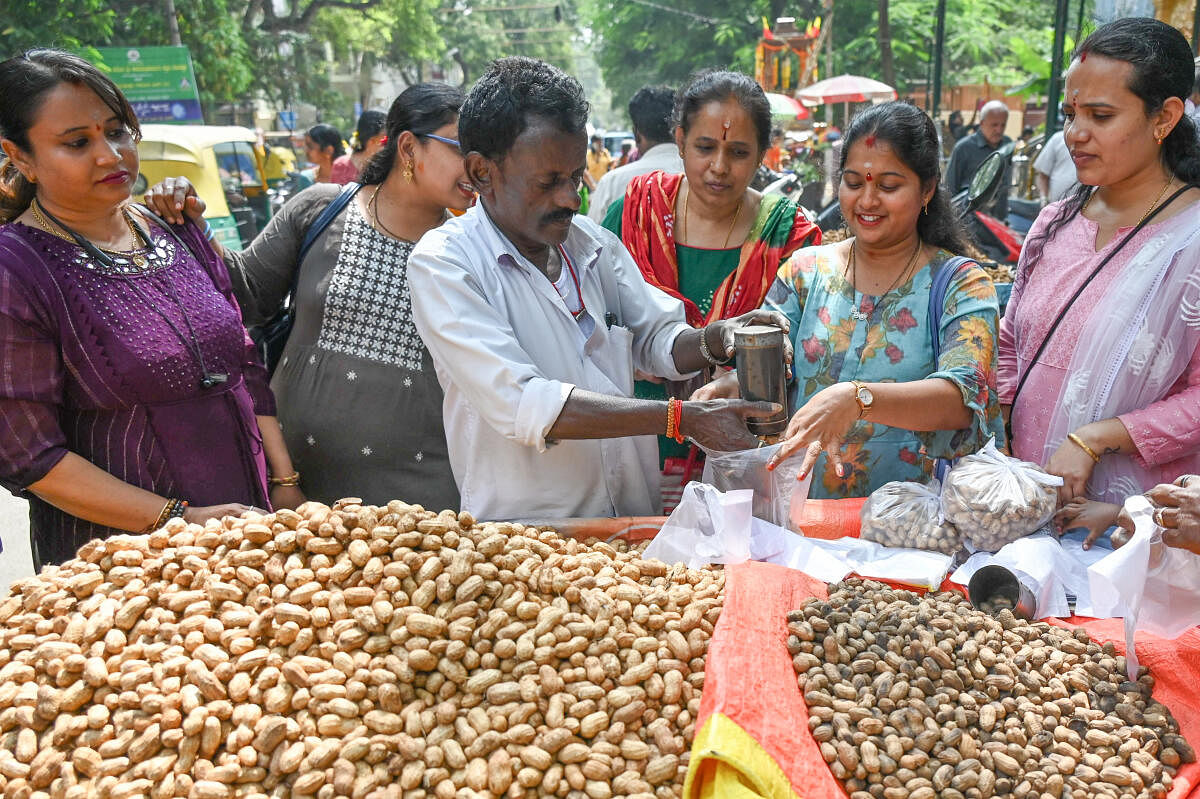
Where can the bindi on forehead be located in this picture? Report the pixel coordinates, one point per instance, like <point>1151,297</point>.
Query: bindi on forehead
<point>725,129</point>
<point>870,141</point>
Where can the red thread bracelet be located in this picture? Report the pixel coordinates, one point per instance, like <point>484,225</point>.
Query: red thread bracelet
<point>677,433</point>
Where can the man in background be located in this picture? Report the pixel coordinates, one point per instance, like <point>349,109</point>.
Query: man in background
<point>599,159</point>
<point>973,150</point>
<point>650,111</point>
<point>1054,169</point>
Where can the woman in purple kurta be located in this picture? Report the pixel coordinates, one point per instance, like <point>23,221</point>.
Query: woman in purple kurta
<point>127,382</point>
<point>91,366</point>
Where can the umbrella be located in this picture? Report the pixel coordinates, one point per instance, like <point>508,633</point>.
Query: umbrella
<point>846,89</point>
<point>784,106</point>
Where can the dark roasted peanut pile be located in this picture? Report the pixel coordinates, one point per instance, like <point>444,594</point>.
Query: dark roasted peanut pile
<point>915,697</point>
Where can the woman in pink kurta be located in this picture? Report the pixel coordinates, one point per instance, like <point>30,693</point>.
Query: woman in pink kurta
<point>1112,403</point>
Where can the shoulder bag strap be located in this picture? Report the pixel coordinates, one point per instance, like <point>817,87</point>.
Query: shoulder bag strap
<point>1066,308</point>
<point>327,215</point>
<point>937,299</point>
<point>940,284</point>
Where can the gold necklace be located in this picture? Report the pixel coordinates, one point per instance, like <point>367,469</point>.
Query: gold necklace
<point>138,259</point>
<point>1149,210</point>
<point>852,268</point>
<point>373,209</point>
<point>733,223</point>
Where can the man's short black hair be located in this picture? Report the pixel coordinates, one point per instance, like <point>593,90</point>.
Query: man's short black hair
<point>650,112</point>
<point>513,89</point>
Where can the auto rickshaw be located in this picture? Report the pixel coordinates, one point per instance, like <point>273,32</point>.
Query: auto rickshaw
<point>223,164</point>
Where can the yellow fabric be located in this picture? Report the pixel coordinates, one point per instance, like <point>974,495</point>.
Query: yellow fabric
<point>727,763</point>
<point>598,162</point>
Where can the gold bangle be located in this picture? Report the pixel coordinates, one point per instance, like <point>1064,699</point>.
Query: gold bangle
<point>168,510</point>
<point>1079,442</point>
<point>292,479</point>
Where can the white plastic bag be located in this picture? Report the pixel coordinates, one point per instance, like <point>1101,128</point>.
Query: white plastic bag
<point>707,527</point>
<point>777,494</point>
<point>993,499</point>
<point>1155,587</point>
<point>906,515</point>
<point>711,527</point>
<point>1049,570</point>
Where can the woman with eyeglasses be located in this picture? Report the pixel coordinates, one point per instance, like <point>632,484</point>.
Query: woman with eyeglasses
<point>359,401</point>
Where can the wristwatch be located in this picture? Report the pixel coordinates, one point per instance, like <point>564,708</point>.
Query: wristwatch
<point>864,398</point>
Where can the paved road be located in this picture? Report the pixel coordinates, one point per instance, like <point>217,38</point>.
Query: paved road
<point>15,561</point>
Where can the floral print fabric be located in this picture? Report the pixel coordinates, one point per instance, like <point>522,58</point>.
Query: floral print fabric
<point>891,346</point>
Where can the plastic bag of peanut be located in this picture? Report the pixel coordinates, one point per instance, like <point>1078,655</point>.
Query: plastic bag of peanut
<point>994,500</point>
<point>907,515</point>
<point>352,652</point>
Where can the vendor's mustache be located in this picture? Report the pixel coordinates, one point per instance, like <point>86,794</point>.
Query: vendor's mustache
<point>565,215</point>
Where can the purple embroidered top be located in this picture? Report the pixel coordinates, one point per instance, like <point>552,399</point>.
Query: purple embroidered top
<point>99,362</point>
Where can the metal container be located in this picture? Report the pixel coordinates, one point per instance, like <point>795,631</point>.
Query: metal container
<point>762,374</point>
<point>994,587</point>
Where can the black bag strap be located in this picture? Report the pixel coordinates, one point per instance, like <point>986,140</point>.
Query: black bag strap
<point>327,215</point>
<point>1053,327</point>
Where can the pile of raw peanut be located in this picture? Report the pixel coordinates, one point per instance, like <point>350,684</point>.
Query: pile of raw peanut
<point>916,697</point>
<point>352,652</point>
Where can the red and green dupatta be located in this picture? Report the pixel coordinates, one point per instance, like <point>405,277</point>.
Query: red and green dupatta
<point>647,230</point>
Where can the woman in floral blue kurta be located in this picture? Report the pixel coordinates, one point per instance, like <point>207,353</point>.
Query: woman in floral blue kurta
<point>870,404</point>
<point>892,345</point>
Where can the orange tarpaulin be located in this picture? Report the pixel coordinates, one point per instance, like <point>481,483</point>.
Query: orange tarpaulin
<point>753,738</point>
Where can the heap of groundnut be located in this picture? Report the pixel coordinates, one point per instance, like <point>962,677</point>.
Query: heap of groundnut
<point>916,697</point>
<point>355,652</point>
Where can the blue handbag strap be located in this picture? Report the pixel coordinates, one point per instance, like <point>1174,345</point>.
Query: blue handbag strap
<point>937,299</point>
<point>318,226</point>
<point>940,284</point>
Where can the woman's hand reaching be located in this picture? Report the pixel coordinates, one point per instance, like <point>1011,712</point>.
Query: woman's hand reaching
<point>175,198</point>
<point>820,426</point>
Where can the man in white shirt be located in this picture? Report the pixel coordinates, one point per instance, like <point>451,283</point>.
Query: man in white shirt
<point>1055,169</point>
<point>650,110</point>
<point>537,318</point>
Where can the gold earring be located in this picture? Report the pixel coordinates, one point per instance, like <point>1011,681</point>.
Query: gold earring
<point>408,172</point>
<point>925,210</point>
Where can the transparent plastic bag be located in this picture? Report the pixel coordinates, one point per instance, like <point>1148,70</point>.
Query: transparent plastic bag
<point>778,496</point>
<point>907,515</point>
<point>1155,587</point>
<point>994,500</point>
<point>707,527</point>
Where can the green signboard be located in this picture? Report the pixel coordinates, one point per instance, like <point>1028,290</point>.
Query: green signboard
<point>159,82</point>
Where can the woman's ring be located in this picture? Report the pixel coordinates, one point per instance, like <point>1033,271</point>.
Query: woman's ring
<point>1185,479</point>
<point>1158,517</point>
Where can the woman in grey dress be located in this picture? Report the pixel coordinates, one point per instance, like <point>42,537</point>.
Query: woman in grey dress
<point>358,398</point>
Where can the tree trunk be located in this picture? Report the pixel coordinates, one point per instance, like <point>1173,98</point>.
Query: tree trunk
<point>885,45</point>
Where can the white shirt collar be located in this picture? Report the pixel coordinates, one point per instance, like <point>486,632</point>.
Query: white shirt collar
<point>584,248</point>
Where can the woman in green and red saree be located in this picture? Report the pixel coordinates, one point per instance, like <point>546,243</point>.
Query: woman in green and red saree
<point>706,237</point>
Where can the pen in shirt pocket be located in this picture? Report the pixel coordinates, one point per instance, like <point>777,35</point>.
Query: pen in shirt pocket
<point>610,319</point>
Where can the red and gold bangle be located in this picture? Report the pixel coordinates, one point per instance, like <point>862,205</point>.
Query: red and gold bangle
<point>292,479</point>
